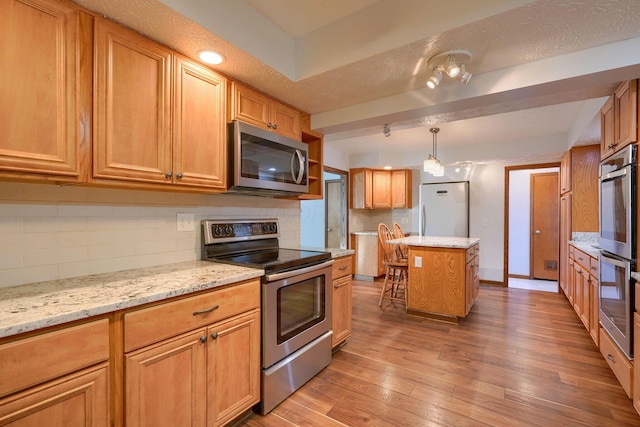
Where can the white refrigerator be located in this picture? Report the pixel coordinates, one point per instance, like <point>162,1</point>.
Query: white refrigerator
<point>444,209</point>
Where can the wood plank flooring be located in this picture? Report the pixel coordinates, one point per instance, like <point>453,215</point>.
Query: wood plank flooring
<point>521,358</point>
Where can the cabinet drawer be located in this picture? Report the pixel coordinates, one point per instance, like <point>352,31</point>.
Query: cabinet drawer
<point>595,268</point>
<point>34,360</point>
<point>582,258</point>
<point>153,324</point>
<point>341,267</point>
<point>616,360</point>
<point>571,252</point>
<point>471,252</point>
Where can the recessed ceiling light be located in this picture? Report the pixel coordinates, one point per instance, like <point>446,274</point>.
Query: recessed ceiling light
<point>210,57</point>
<point>387,167</point>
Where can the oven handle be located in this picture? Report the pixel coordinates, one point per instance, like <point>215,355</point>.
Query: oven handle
<point>615,261</point>
<point>287,274</point>
<point>615,174</point>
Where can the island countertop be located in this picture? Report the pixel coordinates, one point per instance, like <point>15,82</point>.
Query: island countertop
<point>437,242</point>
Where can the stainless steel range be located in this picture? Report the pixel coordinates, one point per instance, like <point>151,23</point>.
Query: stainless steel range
<point>296,301</point>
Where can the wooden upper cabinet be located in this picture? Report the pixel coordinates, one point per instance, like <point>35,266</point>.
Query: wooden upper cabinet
<point>199,128</point>
<point>255,108</point>
<point>606,129</point>
<point>585,162</point>
<point>619,119</point>
<point>401,189</point>
<point>39,100</point>
<point>132,95</point>
<point>380,189</point>
<point>146,133</point>
<point>381,195</point>
<point>565,172</point>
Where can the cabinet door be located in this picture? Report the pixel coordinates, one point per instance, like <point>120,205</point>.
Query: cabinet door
<point>469,286</point>
<point>285,121</point>
<point>249,106</point>
<point>199,129</point>
<point>636,372</point>
<point>565,236</point>
<point>132,138</point>
<point>341,320</point>
<point>381,195</point>
<point>361,183</point>
<point>625,114</point>
<point>607,143</point>
<point>401,189</point>
<point>565,172</point>
<point>165,384</point>
<point>233,367</point>
<point>594,309</point>
<point>79,399</point>
<point>39,117</point>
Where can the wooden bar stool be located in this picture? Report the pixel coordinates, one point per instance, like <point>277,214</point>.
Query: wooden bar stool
<point>394,287</point>
<point>398,233</point>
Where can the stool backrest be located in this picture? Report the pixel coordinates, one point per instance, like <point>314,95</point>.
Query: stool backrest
<point>388,250</point>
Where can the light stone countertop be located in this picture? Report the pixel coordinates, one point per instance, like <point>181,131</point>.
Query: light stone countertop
<point>437,242</point>
<point>335,252</point>
<point>30,307</point>
<point>365,233</point>
<point>587,247</point>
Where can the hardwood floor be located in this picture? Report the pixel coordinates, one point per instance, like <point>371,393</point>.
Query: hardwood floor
<point>521,358</point>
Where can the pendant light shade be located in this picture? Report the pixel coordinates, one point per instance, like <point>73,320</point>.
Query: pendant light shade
<point>432,164</point>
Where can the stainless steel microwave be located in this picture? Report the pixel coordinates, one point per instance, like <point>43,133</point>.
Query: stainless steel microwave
<point>266,164</point>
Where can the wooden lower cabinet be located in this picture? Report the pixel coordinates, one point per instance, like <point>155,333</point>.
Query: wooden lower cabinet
<point>619,364</point>
<point>342,271</point>
<point>446,282</point>
<point>79,399</point>
<point>636,351</point>
<point>582,290</point>
<point>206,376</point>
<point>57,378</point>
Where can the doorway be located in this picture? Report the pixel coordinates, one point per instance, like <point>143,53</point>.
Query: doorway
<point>329,213</point>
<point>529,195</point>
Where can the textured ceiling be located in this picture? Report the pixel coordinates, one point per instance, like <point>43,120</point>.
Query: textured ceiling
<point>363,62</point>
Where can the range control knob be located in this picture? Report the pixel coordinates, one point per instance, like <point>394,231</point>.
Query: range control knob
<point>228,230</point>
<point>217,230</point>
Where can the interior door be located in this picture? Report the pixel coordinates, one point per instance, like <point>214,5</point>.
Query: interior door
<point>544,226</point>
<point>333,192</point>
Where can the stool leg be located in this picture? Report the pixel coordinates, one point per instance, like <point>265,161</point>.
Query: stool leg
<point>384,287</point>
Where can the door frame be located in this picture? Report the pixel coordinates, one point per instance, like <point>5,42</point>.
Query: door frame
<point>507,170</point>
<point>344,178</point>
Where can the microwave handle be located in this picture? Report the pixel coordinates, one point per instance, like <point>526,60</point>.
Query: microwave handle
<point>298,154</point>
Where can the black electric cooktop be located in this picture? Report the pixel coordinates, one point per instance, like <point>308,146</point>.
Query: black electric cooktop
<point>276,260</point>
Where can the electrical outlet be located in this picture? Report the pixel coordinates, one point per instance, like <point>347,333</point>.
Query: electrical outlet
<point>485,222</point>
<point>405,221</point>
<point>185,222</point>
<point>417,262</point>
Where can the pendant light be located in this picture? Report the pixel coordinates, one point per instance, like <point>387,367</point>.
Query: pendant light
<point>432,164</point>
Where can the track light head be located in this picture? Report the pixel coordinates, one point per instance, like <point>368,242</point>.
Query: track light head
<point>452,69</point>
<point>464,75</point>
<point>435,78</point>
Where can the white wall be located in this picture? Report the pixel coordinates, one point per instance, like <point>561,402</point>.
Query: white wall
<point>51,232</point>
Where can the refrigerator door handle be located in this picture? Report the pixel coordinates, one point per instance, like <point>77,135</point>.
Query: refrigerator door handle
<point>423,224</point>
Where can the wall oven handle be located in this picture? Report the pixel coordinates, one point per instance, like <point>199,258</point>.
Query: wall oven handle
<point>298,154</point>
<point>615,174</point>
<point>287,274</point>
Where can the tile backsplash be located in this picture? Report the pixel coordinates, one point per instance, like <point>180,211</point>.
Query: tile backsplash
<point>52,232</point>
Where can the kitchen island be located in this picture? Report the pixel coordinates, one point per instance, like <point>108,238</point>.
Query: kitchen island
<point>443,276</point>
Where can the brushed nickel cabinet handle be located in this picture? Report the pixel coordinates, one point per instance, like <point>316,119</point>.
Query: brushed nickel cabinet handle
<point>208,310</point>
<point>610,357</point>
<point>343,268</point>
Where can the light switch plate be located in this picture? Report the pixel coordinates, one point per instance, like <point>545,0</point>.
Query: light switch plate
<point>185,222</point>
<point>417,261</point>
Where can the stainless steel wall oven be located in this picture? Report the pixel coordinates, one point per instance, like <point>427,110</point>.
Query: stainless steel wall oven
<point>618,228</point>
<point>296,301</point>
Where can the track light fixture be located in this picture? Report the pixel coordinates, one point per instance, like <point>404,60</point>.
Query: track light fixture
<point>386,131</point>
<point>447,63</point>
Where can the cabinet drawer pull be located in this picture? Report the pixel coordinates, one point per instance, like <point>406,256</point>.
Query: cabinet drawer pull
<point>203,339</point>
<point>610,357</point>
<point>214,335</point>
<point>208,310</point>
<point>343,268</point>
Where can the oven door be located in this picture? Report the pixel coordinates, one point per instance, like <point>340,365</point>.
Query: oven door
<point>618,204</point>
<point>296,309</point>
<point>616,300</point>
